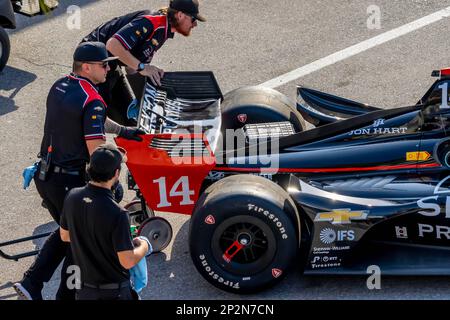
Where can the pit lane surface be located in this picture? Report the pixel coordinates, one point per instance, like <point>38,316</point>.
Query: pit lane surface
<point>244,43</point>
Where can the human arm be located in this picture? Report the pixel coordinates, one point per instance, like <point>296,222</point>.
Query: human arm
<point>128,259</point>
<point>118,50</point>
<point>63,226</point>
<point>132,36</point>
<point>93,126</point>
<point>122,131</point>
<point>129,252</point>
<point>65,236</point>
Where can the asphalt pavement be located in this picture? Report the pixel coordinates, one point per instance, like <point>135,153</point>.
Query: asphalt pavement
<point>244,42</point>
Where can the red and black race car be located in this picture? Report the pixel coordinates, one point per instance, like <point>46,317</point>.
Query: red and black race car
<point>367,186</point>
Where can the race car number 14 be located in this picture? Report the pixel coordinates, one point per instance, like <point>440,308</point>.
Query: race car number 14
<point>179,189</point>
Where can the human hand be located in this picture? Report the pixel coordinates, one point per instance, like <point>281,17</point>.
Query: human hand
<point>141,240</point>
<point>155,74</point>
<point>131,133</point>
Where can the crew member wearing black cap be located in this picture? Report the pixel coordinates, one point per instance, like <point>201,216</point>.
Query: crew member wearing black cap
<point>99,232</point>
<point>135,38</point>
<point>75,125</point>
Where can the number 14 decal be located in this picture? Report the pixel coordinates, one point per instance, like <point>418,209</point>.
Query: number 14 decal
<point>179,189</point>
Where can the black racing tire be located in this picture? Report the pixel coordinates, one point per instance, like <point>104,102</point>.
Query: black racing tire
<point>249,105</point>
<point>5,48</point>
<point>254,212</point>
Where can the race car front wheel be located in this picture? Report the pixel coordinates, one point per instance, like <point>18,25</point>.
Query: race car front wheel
<point>242,236</point>
<point>4,48</point>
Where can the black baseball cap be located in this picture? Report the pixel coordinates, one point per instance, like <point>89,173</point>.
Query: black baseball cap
<point>92,51</point>
<point>106,159</point>
<point>187,6</point>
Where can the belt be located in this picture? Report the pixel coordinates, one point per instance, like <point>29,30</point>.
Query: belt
<point>57,169</point>
<point>108,286</point>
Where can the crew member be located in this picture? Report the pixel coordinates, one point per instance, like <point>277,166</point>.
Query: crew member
<point>99,232</point>
<point>135,38</point>
<point>75,125</point>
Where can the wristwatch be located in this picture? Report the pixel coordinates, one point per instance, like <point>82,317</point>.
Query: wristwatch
<point>141,66</point>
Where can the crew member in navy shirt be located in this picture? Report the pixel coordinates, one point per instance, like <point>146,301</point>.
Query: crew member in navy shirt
<point>135,38</point>
<point>75,125</point>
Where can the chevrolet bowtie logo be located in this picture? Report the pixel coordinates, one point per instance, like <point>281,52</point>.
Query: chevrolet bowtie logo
<point>341,216</point>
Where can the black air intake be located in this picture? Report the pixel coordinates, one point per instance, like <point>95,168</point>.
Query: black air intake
<point>195,85</point>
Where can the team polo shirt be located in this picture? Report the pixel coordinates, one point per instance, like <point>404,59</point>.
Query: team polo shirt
<point>75,113</point>
<point>139,32</point>
<point>144,36</point>
<point>98,229</point>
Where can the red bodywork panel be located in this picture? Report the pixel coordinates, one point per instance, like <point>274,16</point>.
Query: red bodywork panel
<point>445,72</point>
<point>169,184</point>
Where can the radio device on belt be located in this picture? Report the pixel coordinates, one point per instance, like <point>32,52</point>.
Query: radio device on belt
<point>45,163</point>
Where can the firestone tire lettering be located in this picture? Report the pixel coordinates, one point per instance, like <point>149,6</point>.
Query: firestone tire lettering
<point>269,213</point>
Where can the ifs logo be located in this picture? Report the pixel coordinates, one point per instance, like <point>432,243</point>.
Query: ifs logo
<point>328,235</point>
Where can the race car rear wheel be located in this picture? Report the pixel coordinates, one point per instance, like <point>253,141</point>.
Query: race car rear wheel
<point>242,236</point>
<point>4,48</point>
<point>249,105</point>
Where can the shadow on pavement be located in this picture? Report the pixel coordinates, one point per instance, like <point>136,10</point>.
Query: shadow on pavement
<point>7,287</point>
<point>44,228</point>
<point>24,21</point>
<point>13,79</point>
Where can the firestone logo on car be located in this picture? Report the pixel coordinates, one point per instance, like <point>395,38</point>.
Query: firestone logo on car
<point>276,272</point>
<point>242,118</point>
<point>210,219</point>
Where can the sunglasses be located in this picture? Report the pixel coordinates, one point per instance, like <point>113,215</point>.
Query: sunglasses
<point>103,64</point>
<point>193,19</point>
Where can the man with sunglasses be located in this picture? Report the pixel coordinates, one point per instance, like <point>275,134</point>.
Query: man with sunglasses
<point>134,38</point>
<point>75,125</point>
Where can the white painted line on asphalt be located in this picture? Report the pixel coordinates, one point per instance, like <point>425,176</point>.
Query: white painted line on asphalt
<point>357,48</point>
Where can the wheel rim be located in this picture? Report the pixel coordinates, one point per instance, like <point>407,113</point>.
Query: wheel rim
<point>136,205</point>
<point>158,231</point>
<point>256,241</point>
<point>138,218</point>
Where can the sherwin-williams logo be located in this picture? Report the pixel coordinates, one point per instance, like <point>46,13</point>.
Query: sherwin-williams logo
<point>341,216</point>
